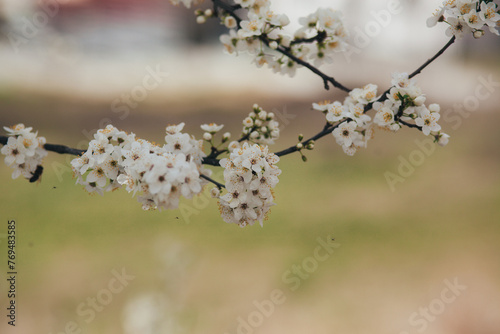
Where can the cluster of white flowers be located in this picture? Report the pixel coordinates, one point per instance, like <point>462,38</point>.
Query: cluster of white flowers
<point>326,22</point>
<point>261,127</point>
<point>322,34</point>
<point>98,168</point>
<point>162,173</point>
<point>250,174</point>
<point>354,128</point>
<point>406,103</point>
<point>24,151</point>
<point>467,16</point>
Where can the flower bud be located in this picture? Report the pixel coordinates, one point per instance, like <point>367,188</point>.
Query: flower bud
<point>201,19</point>
<point>434,107</point>
<point>420,100</point>
<point>443,139</point>
<point>208,12</point>
<point>299,146</point>
<point>230,22</point>
<point>248,122</point>
<point>273,45</point>
<point>207,136</point>
<point>478,34</point>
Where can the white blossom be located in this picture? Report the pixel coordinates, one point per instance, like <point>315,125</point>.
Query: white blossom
<point>250,173</point>
<point>428,121</point>
<point>467,16</point>
<point>24,151</point>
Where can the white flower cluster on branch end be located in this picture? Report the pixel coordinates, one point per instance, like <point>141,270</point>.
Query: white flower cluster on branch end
<point>24,152</point>
<point>467,16</point>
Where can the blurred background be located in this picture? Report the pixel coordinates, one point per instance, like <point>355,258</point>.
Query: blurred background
<point>69,67</point>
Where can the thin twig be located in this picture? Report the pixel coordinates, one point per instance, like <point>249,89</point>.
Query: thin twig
<point>410,125</point>
<point>285,51</point>
<point>384,97</point>
<point>329,129</point>
<point>428,62</point>
<point>219,185</point>
<point>61,149</point>
<point>326,130</point>
<point>320,37</point>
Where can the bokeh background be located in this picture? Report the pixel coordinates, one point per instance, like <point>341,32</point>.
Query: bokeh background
<point>396,248</point>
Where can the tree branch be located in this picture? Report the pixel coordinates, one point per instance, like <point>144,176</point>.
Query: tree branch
<point>326,130</point>
<point>410,125</point>
<point>231,10</point>
<point>61,149</point>
<point>428,62</point>
<point>212,158</point>
<point>384,97</point>
<point>320,37</point>
<point>219,185</point>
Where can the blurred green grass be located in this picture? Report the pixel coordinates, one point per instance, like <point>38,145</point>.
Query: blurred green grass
<point>396,248</point>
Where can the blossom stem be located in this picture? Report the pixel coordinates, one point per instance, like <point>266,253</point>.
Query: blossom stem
<point>219,185</point>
